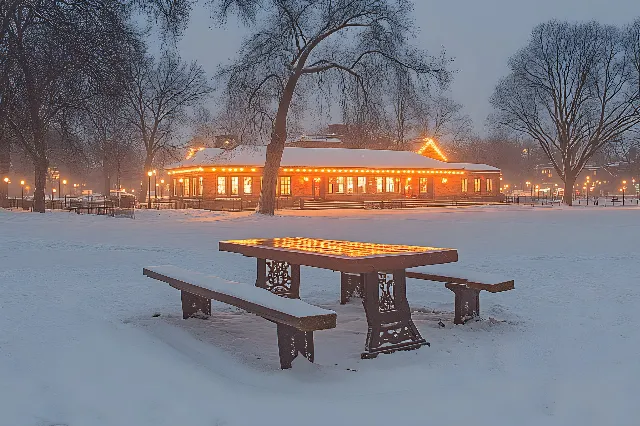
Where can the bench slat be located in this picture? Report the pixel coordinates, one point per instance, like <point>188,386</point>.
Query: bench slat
<point>292,312</point>
<point>461,275</point>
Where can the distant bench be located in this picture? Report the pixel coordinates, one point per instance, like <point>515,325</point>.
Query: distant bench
<point>296,320</point>
<point>465,284</point>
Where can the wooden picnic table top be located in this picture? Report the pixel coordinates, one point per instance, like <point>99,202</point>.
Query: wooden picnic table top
<point>337,255</point>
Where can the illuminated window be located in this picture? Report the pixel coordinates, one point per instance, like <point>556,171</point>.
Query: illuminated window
<point>235,185</point>
<point>390,184</point>
<point>379,184</point>
<point>489,185</point>
<point>476,184</point>
<point>336,185</point>
<point>349,185</point>
<point>222,185</point>
<point>187,187</point>
<point>362,185</point>
<point>247,185</point>
<point>465,185</point>
<point>285,185</point>
<point>200,186</point>
<point>423,185</point>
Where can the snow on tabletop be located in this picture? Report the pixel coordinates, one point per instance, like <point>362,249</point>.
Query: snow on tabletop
<point>249,293</point>
<point>323,157</point>
<point>461,271</point>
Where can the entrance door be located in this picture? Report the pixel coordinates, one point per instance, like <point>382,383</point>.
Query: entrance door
<point>315,188</point>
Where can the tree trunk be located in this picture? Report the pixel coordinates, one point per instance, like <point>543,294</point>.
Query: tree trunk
<point>267,201</point>
<point>567,198</point>
<point>41,167</point>
<point>148,163</point>
<point>5,164</point>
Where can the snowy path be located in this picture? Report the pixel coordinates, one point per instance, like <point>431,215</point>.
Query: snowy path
<point>79,344</point>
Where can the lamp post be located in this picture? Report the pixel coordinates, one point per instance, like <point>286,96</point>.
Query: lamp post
<point>22,194</point>
<point>6,181</point>
<point>624,183</point>
<point>181,187</point>
<point>149,173</point>
<point>528,185</point>
<point>64,182</point>
<point>161,188</point>
<point>53,193</point>
<point>538,191</point>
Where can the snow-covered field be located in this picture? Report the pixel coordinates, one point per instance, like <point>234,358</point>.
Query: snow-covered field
<point>80,345</point>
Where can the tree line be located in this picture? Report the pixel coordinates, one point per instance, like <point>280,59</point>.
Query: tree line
<point>79,82</point>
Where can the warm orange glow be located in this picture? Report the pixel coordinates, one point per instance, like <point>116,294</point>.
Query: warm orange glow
<point>6,180</point>
<point>192,152</point>
<point>149,173</point>
<point>444,180</point>
<point>21,182</point>
<point>428,142</point>
<point>333,247</point>
<point>64,182</point>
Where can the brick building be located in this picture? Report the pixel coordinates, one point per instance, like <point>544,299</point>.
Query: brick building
<point>338,174</point>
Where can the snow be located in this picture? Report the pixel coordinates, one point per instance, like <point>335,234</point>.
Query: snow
<point>249,293</point>
<point>460,270</point>
<point>324,157</point>
<point>80,343</point>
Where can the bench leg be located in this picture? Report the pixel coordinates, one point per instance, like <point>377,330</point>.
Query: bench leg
<point>467,302</point>
<point>292,341</point>
<point>192,304</point>
<point>350,286</point>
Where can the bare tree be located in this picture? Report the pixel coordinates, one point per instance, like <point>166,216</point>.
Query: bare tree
<point>299,45</point>
<point>159,96</point>
<point>54,49</point>
<point>571,89</point>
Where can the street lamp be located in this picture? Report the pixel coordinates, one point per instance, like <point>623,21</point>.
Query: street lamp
<point>538,191</point>
<point>624,183</point>
<point>528,185</point>
<point>22,195</point>
<point>149,173</point>
<point>161,187</point>
<point>6,181</point>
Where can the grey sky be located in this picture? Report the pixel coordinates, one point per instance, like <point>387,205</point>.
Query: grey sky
<point>479,35</point>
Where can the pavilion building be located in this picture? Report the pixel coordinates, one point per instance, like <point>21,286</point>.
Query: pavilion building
<point>333,174</point>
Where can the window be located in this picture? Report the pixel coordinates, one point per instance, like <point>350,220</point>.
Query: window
<point>187,186</point>
<point>476,184</point>
<point>247,185</point>
<point>362,184</point>
<point>423,185</point>
<point>465,185</point>
<point>200,186</point>
<point>235,185</point>
<point>222,185</point>
<point>489,185</point>
<point>349,185</point>
<point>379,184</point>
<point>390,184</point>
<point>175,188</point>
<point>285,185</point>
<point>336,185</point>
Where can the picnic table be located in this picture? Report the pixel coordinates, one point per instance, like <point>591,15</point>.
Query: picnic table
<point>377,271</point>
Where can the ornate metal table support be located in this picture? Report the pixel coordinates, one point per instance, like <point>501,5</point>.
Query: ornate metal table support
<point>192,304</point>
<point>388,316</point>
<point>350,286</point>
<point>292,341</point>
<point>467,302</point>
<point>280,278</point>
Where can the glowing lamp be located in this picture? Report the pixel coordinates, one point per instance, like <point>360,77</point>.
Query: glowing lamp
<point>149,173</point>
<point>21,182</point>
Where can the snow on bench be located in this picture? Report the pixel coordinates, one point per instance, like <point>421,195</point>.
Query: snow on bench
<point>465,283</point>
<point>296,320</point>
<point>460,274</point>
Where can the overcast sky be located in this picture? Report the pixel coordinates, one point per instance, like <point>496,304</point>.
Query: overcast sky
<point>479,34</point>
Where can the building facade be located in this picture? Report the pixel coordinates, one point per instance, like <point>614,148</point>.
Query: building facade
<point>332,174</point>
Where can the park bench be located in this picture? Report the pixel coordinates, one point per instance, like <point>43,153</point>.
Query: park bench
<point>465,284</point>
<point>296,320</point>
<point>615,200</point>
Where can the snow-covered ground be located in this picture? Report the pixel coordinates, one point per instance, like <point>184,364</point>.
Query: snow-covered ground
<point>80,345</point>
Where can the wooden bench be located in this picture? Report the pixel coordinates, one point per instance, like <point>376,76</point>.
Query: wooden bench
<point>295,319</point>
<point>465,284</point>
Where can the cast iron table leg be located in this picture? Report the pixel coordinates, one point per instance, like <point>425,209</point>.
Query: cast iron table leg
<point>388,316</point>
<point>280,278</point>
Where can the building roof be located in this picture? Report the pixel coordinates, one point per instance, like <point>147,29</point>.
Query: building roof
<point>323,157</point>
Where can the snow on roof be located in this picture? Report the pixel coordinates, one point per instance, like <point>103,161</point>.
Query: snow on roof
<point>323,157</point>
